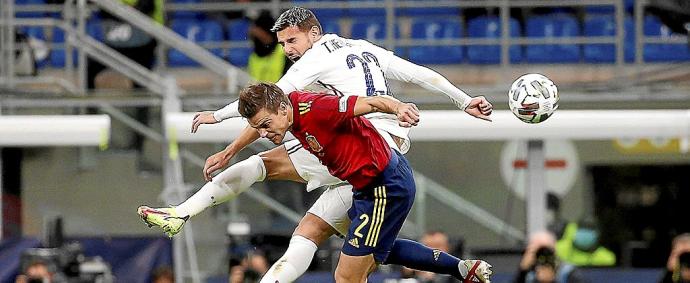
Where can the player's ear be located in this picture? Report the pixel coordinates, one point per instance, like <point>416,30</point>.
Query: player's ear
<point>314,31</point>
<point>283,108</point>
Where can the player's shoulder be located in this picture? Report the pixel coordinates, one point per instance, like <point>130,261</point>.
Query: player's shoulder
<point>303,96</point>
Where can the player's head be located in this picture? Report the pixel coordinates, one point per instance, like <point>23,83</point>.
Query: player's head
<point>267,109</point>
<point>297,30</point>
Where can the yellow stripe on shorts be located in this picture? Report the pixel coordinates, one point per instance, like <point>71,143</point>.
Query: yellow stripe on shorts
<point>377,218</point>
<point>382,194</point>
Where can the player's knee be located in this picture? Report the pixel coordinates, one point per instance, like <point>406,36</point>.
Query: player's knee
<point>342,276</point>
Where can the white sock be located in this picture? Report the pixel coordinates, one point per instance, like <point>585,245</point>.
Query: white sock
<point>293,263</point>
<point>225,186</point>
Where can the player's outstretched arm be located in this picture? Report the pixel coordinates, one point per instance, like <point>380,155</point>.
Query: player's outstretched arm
<point>408,114</point>
<point>403,70</point>
<point>223,157</point>
<point>208,117</point>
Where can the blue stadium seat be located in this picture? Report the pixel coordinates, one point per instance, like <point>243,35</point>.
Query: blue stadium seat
<point>373,30</point>
<point>428,11</point>
<point>629,5</point>
<point>490,27</point>
<point>366,12</point>
<point>553,26</point>
<point>198,32</point>
<point>238,32</point>
<point>436,29</point>
<point>330,26</point>
<point>663,52</point>
<point>605,25</point>
<point>29,14</point>
<point>607,9</point>
<point>186,15</point>
<point>57,56</point>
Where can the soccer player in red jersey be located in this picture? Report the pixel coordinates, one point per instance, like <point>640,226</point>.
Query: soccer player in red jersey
<point>331,128</point>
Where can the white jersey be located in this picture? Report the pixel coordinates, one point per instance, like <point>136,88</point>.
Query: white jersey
<point>348,67</point>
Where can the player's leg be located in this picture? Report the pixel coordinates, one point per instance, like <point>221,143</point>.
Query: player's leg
<point>273,164</point>
<point>354,269</point>
<point>415,255</point>
<point>326,217</point>
<point>378,213</point>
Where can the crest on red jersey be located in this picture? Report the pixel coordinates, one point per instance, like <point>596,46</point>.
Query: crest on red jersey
<point>313,143</point>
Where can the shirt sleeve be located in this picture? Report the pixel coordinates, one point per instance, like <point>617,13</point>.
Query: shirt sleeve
<point>229,111</point>
<point>334,109</point>
<point>303,73</point>
<point>406,71</point>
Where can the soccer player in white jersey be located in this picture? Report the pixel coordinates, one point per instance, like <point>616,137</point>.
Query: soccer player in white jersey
<point>345,67</point>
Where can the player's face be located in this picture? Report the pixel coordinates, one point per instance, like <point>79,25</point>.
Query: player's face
<point>271,126</point>
<point>295,42</point>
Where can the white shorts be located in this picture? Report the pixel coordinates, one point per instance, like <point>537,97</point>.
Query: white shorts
<point>335,200</point>
<point>332,207</point>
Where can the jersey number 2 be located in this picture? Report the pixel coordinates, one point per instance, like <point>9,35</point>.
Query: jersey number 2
<point>364,60</point>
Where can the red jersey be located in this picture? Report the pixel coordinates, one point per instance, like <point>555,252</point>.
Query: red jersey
<point>350,147</point>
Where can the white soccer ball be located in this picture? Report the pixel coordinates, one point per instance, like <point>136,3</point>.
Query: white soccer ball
<point>533,98</point>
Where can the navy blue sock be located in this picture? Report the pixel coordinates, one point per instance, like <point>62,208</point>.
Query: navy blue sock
<point>417,256</point>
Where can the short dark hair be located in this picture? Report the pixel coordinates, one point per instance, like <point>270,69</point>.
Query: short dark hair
<point>297,16</point>
<point>259,96</point>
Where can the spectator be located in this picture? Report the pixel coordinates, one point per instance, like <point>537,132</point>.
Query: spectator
<point>678,265</point>
<point>250,269</point>
<point>579,246</point>
<point>36,272</point>
<point>268,61</point>
<point>132,43</point>
<point>539,263</point>
<point>163,274</point>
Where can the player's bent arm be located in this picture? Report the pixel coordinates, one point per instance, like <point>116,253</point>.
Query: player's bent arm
<point>246,137</point>
<point>407,113</point>
<point>406,71</point>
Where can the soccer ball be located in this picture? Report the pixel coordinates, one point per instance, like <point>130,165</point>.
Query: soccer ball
<point>533,98</point>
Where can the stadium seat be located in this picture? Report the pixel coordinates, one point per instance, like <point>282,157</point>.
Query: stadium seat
<point>428,11</point>
<point>601,10</point>
<point>553,26</point>
<point>366,12</point>
<point>29,14</point>
<point>436,29</point>
<point>186,15</point>
<point>663,52</point>
<point>238,32</point>
<point>605,25</point>
<point>198,32</point>
<point>374,30</point>
<point>57,56</point>
<point>629,5</point>
<point>490,27</point>
<point>330,26</point>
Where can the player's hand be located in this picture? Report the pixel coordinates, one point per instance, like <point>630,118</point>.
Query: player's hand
<point>480,108</point>
<point>215,162</point>
<point>202,118</point>
<point>408,115</point>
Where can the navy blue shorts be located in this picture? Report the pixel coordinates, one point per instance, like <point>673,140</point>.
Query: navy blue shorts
<point>379,210</point>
